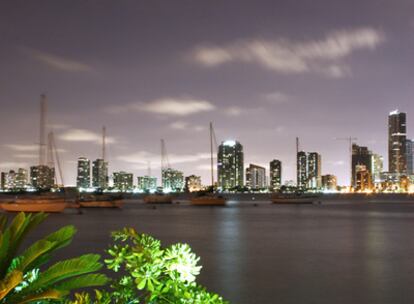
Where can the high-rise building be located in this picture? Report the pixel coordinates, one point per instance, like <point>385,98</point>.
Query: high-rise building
<point>230,165</point>
<point>363,179</point>
<point>377,167</point>
<point>147,183</point>
<point>100,174</point>
<point>397,134</point>
<point>42,177</point>
<point>193,183</point>
<point>329,182</point>
<point>361,156</point>
<point>255,177</point>
<point>309,168</point>
<point>409,152</point>
<point>301,170</point>
<point>275,175</point>
<point>172,180</point>
<point>84,173</point>
<point>22,178</point>
<point>314,170</point>
<point>123,181</point>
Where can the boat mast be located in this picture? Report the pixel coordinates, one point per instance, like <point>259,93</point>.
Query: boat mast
<point>103,143</point>
<point>42,133</point>
<point>211,155</point>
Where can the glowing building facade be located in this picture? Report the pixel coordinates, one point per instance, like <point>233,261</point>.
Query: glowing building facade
<point>193,183</point>
<point>83,179</point>
<point>147,183</point>
<point>230,165</point>
<point>255,177</point>
<point>275,167</point>
<point>100,174</point>
<point>172,180</point>
<point>42,177</point>
<point>123,181</point>
<point>397,135</point>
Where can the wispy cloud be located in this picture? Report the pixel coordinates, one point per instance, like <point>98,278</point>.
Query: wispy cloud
<point>59,62</point>
<point>144,157</point>
<point>285,56</point>
<point>22,148</point>
<point>24,156</point>
<point>167,106</point>
<point>233,111</point>
<point>81,135</point>
<point>276,97</point>
<point>183,125</point>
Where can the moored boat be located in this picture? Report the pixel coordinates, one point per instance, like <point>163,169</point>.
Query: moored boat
<point>207,200</point>
<point>158,198</point>
<point>32,205</point>
<point>101,204</point>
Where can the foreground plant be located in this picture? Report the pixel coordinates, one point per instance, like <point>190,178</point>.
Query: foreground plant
<point>153,274</point>
<point>25,279</point>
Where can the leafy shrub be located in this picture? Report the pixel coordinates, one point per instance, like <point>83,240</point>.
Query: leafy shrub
<point>24,278</point>
<point>153,274</point>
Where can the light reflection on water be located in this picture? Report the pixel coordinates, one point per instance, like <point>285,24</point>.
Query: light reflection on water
<point>344,253</point>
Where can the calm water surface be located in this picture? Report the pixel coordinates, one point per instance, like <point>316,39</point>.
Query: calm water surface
<point>344,253</point>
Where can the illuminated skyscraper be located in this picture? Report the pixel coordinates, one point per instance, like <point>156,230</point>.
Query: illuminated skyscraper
<point>100,174</point>
<point>193,183</point>
<point>397,133</point>
<point>172,180</point>
<point>123,181</point>
<point>329,182</point>
<point>314,170</point>
<point>409,147</point>
<point>84,173</point>
<point>363,181</point>
<point>42,177</point>
<point>301,170</point>
<point>377,167</point>
<point>147,183</point>
<point>255,177</point>
<point>275,175</point>
<point>361,156</point>
<point>230,165</point>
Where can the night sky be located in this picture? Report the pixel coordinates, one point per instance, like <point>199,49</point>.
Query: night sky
<point>263,71</point>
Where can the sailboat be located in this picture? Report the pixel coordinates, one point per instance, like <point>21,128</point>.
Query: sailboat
<point>44,202</point>
<point>210,199</point>
<point>159,197</point>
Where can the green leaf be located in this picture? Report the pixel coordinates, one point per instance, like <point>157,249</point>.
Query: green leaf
<point>83,281</point>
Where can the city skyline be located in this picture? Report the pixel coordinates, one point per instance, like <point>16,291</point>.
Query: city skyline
<point>321,78</point>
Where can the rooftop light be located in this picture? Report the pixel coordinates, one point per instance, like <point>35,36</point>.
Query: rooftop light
<point>230,143</point>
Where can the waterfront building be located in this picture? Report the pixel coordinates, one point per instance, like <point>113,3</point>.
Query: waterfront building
<point>147,183</point>
<point>193,183</point>
<point>100,174</point>
<point>397,135</point>
<point>275,167</point>
<point>172,180</point>
<point>314,170</point>
<point>42,177</point>
<point>308,170</point>
<point>123,181</point>
<point>301,170</point>
<point>255,177</point>
<point>22,179</point>
<point>377,167</point>
<point>405,183</point>
<point>361,156</point>
<point>230,165</point>
<point>363,178</point>
<point>409,152</point>
<point>329,182</point>
<point>83,179</point>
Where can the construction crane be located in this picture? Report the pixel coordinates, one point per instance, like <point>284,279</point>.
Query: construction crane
<point>350,140</point>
